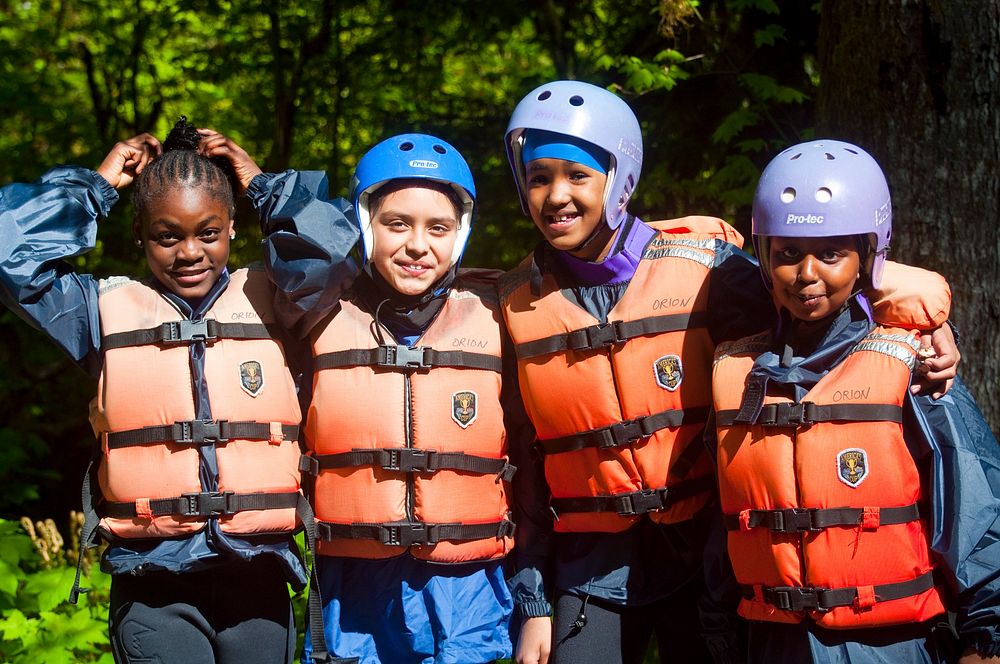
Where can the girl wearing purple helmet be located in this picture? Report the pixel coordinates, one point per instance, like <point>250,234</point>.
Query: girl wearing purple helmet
<point>857,513</point>
<point>614,323</point>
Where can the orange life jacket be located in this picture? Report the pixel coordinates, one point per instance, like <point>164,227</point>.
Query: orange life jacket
<point>620,407</point>
<point>144,414</point>
<point>408,444</point>
<point>822,498</point>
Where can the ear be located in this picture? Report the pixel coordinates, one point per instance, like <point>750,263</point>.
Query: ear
<point>136,229</point>
<point>231,231</point>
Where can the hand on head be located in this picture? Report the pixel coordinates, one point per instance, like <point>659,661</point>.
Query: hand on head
<point>214,144</point>
<point>128,158</point>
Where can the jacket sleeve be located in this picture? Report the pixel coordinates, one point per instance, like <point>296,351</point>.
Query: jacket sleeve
<point>41,226</point>
<point>307,242</point>
<point>965,508</point>
<point>531,559</point>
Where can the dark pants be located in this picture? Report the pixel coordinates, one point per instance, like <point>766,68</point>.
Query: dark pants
<point>615,634</point>
<point>237,614</point>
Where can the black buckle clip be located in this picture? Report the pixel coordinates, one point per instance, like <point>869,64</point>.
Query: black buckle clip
<point>788,414</point>
<point>209,504</point>
<point>641,502</point>
<point>402,357</point>
<point>596,336</point>
<point>621,433</point>
<point>407,460</point>
<point>793,598</point>
<point>201,432</point>
<point>405,533</point>
<point>792,520</point>
<point>188,331</point>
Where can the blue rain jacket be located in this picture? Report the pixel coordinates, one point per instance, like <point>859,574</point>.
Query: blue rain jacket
<point>41,226</point>
<point>400,609</point>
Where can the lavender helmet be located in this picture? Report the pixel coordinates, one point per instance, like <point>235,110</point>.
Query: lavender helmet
<point>824,188</point>
<point>419,157</point>
<point>586,112</point>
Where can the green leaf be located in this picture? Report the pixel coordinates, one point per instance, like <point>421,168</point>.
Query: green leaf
<point>47,589</point>
<point>768,36</point>
<point>733,124</point>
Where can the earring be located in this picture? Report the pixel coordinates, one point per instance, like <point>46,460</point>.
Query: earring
<point>138,243</point>
<point>232,235</point>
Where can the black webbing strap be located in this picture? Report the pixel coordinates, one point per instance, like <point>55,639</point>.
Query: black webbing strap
<point>406,358</point>
<point>794,598</point>
<point>413,533</point>
<point>806,413</point>
<point>317,629</point>
<point>624,433</point>
<point>408,460</point>
<point>88,533</point>
<point>199,432</point>
<point>208,504</point>
<point>799,519</point>
<point>609,334</point>
<point>186,332</point>
<point>637,502</point>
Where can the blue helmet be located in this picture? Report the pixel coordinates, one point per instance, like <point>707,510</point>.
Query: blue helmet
<point>589,113</point>
<point>419,157</point>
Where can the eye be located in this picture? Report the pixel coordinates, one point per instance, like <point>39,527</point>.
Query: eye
<point>538,180</point>
<point>165,238</point>
<point>210,234</point>
<point>578,176</point>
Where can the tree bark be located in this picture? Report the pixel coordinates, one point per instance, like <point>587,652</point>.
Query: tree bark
<point>917,84</point>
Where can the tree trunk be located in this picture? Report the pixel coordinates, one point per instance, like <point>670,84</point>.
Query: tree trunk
<point>917,83</point>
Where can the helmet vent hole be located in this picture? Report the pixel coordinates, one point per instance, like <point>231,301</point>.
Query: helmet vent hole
<point>795,156</point>
<point>788,195</point>
<point>545,95</point>
<point>829,156</point>
<point>851,151</point>
<point>576,100</point>
<point>406,147</point>
<point>439,149</point>
<point>823,195</point>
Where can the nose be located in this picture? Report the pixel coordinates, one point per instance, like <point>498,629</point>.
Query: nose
<point>416,243</point>
<point>559,192</point>
<point>190,249</point>
<point>808,270</point>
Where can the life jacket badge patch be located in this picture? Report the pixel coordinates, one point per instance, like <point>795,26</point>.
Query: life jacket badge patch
<point>669,372</point>
<point>252,377</point>
<point>852,466</point>
<point>463,408</point>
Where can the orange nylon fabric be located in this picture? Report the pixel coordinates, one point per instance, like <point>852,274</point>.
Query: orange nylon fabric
<point>363,407</point>
<point>826,465</point>
<point>569,391</point>
<point>152,385</point>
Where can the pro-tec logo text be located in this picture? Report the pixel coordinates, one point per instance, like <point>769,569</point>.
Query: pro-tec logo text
<point>804,218</point>
<point>423,163</point>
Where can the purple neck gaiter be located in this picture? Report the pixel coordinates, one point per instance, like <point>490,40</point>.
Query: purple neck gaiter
<point>620,265</point>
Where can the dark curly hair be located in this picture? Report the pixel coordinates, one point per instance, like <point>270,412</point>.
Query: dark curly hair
<point>180,165</point>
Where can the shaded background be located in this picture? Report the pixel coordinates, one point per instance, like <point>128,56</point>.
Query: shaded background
<point>720,87</point>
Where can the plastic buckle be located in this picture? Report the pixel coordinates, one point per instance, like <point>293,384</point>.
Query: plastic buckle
<point>187,331</point>
<point>793,598</point>
<point>641,502</point>
<point>407,460</point>
<point>622,433</point>
<point>792,520</point>
<point>209,504</point>
<point>404,533</point>
<point>201,432</point>
<point>604,334</point>
<point>402,357</point>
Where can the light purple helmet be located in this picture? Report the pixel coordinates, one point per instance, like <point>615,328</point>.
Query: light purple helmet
<point>589,113</point>
<point>824,188</point>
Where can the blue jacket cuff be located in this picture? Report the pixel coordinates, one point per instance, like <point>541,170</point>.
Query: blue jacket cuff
<point>259,186</point>
<point>537,609</point>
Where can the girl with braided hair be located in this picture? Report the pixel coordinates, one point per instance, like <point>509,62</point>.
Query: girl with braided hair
<point>196,414</point>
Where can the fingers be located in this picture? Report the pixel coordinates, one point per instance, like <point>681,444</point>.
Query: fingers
<point>145,147</point>
<point>938,358</point>
<point>214,144</point>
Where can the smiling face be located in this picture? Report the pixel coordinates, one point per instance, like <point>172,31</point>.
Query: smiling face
<point>185,232</point>
<point>566,202</point>
<point>414,232</point>
<point>813,277</point>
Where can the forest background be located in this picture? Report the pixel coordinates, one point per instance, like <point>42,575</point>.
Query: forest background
<point>720,86</point>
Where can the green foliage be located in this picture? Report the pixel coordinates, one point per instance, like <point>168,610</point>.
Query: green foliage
<point>37,623</point>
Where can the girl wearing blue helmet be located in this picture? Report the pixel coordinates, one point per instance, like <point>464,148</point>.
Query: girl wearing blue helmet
<point>630,312</point>
<point>857,513</point>
<point>409,416</point>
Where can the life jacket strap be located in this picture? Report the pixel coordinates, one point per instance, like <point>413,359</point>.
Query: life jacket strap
<point>186,332</point>
<point>798,519</point>
<point>624,433</point>
<point>793,415</point>
<point>407,359</point>
<point>613,333</point>
<point>637,502</point>
<point>409,460</point>
<point>205,504</point>
<point>200,432</point>
<point>415,533</point>
<point>797,598</point>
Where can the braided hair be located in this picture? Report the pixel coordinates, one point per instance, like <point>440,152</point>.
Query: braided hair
<point>180,165</point>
